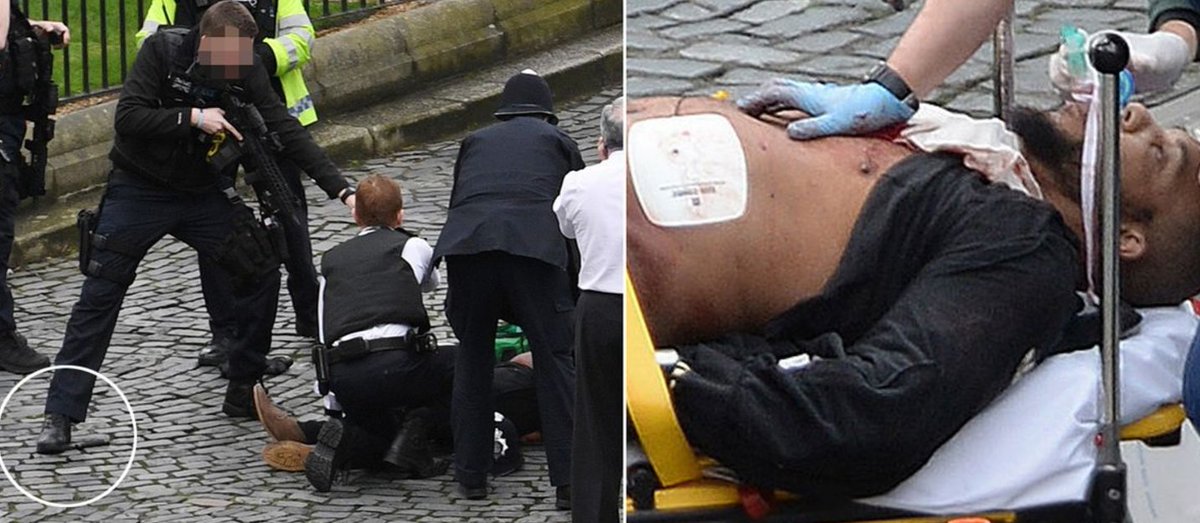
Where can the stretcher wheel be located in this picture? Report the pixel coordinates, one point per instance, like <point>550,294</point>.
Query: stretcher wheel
<point>640,487</point>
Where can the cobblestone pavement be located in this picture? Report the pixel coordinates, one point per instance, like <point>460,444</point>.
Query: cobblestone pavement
<point>700,46</point>
<point>193,463</point>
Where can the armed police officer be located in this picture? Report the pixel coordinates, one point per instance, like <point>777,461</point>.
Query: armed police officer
<point>284,44</point>
<point>171,130</point>
<point>24,75</point>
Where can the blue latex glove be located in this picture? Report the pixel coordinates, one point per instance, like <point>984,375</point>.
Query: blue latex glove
<point>834,109</point>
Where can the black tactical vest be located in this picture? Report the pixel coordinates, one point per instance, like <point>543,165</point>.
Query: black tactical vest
<point>368,283</point>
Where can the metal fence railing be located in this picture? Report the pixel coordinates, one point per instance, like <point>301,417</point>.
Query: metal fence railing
<point>103,41</point>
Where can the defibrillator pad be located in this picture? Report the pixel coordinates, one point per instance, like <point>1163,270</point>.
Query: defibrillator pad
<point>688,170</point>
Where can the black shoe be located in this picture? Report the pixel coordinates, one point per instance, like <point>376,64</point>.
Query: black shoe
<point>56,434</point>
<point>412,450</point>
<point>17,357</point>
<point>562,497</point>
<point>479,492</point>
<point>239,400</point>
<point>214,354</point>
<point>276,365</point>
<point>328,457</point>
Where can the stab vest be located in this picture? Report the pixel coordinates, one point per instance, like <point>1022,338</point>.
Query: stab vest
<point>368,283</point>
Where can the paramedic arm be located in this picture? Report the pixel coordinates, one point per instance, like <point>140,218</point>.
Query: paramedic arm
<point>944,34</point>
<point>1158,59</point>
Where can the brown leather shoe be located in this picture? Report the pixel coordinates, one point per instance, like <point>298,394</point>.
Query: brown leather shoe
<point>279,424</point>
<point>287,456</point>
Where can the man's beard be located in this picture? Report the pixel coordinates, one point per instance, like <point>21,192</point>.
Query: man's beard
<point>1046,144</point>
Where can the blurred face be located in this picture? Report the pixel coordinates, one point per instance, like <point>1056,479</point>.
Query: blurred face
<point>227,56</point>
<point>1160,168</point>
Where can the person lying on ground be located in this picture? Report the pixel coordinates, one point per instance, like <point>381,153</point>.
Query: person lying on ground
<point>843,307</point>
<point>515,396</point>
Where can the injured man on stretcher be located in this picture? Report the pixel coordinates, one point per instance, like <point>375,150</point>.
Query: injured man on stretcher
<point>850,312</point>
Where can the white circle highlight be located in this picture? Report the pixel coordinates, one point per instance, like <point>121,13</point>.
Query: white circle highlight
<point>132,422</point>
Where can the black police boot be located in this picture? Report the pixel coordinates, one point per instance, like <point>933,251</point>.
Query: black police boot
<point>17,357</point>
<point>329,456</point>
<point>473,491</point>
<point>276,365</point>
<point>562,497</point>
<point>214,354</point>
<point>412,449</point>
<point>239,399</point>
<point>56,434</point>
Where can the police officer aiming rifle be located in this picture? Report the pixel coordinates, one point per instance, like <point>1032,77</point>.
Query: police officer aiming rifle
<point>164,182</point>
<point>284,44</point>
<point>26,93</point>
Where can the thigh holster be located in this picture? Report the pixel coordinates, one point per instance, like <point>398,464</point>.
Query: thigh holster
<point>249,251</point>
<point>90,241</point>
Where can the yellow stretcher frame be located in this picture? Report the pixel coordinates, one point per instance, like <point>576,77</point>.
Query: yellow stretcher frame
<point>678,468</point>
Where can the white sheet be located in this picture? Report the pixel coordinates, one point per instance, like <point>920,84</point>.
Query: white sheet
<point>1034,444</point>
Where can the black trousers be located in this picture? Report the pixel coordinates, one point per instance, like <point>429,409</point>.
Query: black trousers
<point>946,284</point>
<point>484,288</point>
<point>375,390</point>
<point>302,276</point>
<point>8,210</point>
<point>597,457</point>
<point>138,214</point>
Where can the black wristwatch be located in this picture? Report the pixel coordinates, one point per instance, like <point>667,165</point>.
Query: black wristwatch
<point>346,193</point>
<point>890,80</point>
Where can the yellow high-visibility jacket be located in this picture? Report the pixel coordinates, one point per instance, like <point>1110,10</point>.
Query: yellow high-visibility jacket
<point>290,39</point>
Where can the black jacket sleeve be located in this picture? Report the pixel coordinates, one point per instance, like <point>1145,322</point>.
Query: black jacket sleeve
<point>298,144</point>
<point>139,111</point>
<point>267,55</point>
<point>572,150</point>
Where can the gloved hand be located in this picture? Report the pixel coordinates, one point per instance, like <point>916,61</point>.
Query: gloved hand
<point>835,109</point>
<point>1156,60</point>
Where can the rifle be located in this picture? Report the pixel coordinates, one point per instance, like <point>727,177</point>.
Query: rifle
<point>42,102</point>
<point>259,147</point>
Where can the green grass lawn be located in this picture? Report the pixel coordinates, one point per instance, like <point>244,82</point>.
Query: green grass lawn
<point>100,38</point>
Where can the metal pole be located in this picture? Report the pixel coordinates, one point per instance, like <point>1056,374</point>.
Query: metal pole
<point>1003,57</point>
<point>1109,54</point>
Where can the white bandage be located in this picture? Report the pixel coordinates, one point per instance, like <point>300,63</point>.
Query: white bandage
<point>688,170</point>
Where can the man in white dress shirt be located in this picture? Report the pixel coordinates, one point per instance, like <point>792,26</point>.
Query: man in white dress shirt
<point>591,209</point>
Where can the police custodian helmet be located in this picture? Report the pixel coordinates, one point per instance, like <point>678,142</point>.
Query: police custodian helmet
<point>506,447</point>
<point>526,93</point>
